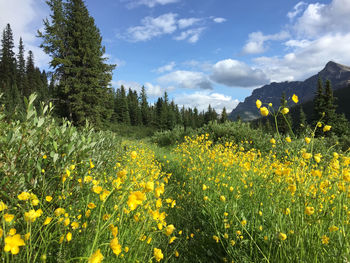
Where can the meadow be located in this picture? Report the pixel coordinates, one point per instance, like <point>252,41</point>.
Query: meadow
<point>78,195</point>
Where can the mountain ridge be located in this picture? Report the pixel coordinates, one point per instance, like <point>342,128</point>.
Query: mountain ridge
<point>338,74</point>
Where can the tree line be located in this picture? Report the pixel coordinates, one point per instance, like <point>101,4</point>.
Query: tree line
<point>79,81</point>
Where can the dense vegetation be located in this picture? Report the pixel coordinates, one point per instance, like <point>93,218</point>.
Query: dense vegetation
<point>201,189</point>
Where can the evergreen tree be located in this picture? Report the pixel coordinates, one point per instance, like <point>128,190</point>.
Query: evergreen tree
<point>21,68</point>
<point>124,107</point>
<point>145,111</point>
<point>318,102</point>
<point>74,44</point>
<point>8,84</point>
<point>223,117</point>
<point>302,123</point>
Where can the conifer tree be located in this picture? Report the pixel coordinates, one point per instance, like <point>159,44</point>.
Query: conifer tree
<point>302,123</point>
<point>73,41</point>
<point>145,111</point>
<point>223,117</point>
<point>21,68</point>
<point>318,102</point>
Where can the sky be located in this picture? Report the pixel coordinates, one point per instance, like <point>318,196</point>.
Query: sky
<point>203,51</point>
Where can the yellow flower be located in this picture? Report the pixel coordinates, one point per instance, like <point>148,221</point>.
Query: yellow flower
<point>133,154</point>
<point>31,215</point>
<point>91,205</point>
<point>97,189</point>
<point>69,236</point>
<point>243,222</point>
<point>177,253</point>
<point>295,98</point>
<point>27,236</point>
<point>8,217</point>
<point>114,230</point>
<point>317,157</point>
<point>3,206</point>
<point>24,196</point>
<point>136,198</point>
<point>171,240</point>
<point>104,195</point>
<point>270,104</point>
<point>159,190</point>
<point>287,211</point>
<point>273,141</point>
<point>44,156</point>
<point>285,111</point>
<point>75,225</point>
<point>288,139</point>
<point>307,140</point>
<point>1,232</point>
<point>158,254</point>
<point>307,156</point>
<point>91,164</point>
<point>48,198</point>
<point>333,228</point>
<point>96,257</point>
<point>327,128</point>
<point>325,239</point>
<point>12,231</point>
<point>169,230</point>
<point>149,186</point>
<point>282,236</point>
<point>258,104</point>
<point>264,111</point>
<point>122,173</point>
<point>309,210</point>
<point>216,238</point>
<point>59,211</point>
<point>12,243</point>
<point>115,246</point>
<point>66,221</point>
<point>204,187</point>
<point>47,220</point>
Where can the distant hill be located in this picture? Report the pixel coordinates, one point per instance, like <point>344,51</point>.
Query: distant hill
<point>338,74</point>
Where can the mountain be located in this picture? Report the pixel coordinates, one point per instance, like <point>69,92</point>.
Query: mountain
<point>338,74</point>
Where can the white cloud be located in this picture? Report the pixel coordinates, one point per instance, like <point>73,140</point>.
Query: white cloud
<point>152,27</point>
<point>219,20</point>
<point>149,3</point>
<point>154,90</point>
<point>167,67</point>
<point>25,23</point>
<point>186,80</point>
<point>191,35</point>
<point>202,99</point>
<point>298,8</point>
<point>307,59</point>
<point>234,73</point>
<point>127,84</point>
<point>319,19</point>
<point>187,22</point>
<point>256,41</point>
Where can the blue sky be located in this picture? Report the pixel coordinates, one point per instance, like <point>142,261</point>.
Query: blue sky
<point>204,51</point>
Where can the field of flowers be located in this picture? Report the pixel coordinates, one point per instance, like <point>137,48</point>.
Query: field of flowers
<point>78,195</point>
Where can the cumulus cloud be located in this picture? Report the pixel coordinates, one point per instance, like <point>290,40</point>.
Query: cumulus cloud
<point>219,20</point>
<point>234,73</point>
<point>28,19</point>
<point>256,41</point>
<point>307,58</point>
<point>191,35</point>
<point>186,80</point>
<point>152,27</point>
<point>202,99</point>
<point>154,90</point>
<point>167,67</point>
<point>149,3</point>
<point>319,19</point>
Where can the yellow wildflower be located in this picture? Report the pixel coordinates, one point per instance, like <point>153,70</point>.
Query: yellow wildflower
<point>12,243</point>
<point>115,246</point>
<point>295,98</point>
<point>3,206</point>
<point>285,111</point>
<point>325,240</point>
<point>96,257</point>
<point>24,196</point>
<point>158,254</point>
<point>169,230</point>
<point>309,210</point>
<point>48,198</point>
<point>9,217</point>
<point>327,128</point>
<point>264,111</point>
<point>282,236</point>
<point>258,104</point>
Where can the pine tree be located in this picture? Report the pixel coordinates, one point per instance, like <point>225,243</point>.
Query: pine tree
<point>74,44</point>
<point>145,111</point>
<point>318,102</point>
<point>8,84</point>
<point>223,117</point>
<point>21,68</point>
